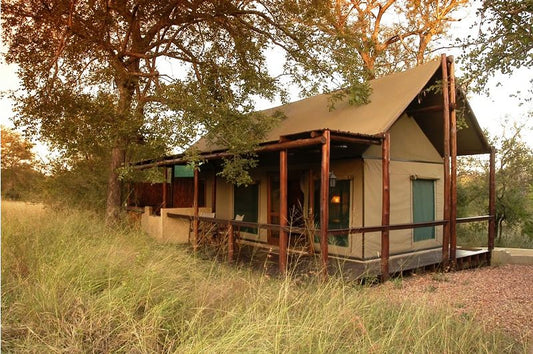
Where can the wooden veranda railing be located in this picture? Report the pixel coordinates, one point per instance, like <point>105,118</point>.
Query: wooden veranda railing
<point>231,226</point>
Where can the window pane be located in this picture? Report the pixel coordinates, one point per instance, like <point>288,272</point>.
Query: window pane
<point>339,210</point>
<point>423,208</point>
<point>246,200</point>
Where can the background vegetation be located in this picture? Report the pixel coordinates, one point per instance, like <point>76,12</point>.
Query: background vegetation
<point>69,284</point>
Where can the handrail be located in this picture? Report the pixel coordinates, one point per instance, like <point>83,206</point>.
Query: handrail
<point>332,232</point>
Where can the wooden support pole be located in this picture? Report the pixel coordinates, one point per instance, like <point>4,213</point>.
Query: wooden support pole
<point>195,208</point>
<point>446,149</point>
<point>492,201</point>
<point>324,203</point>
<point>164,186</point>
<point>283,174</point>
<point>385,207</point>
<point>231,243</point>
<point>171,205</point>
<point>453,163</point>
<point>214,194</point>
<point>311,212</point>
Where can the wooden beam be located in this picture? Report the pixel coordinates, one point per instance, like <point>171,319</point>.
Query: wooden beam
<point>283,176</point>
<point>293,144</point>
<point>453,163</point>
<point>446,149</point>
<point>426,109</point>
<point>385,207</point>
<point>492,201</point>
<point>195,211</point>
<point>324,203</point>
<point>354,140</point>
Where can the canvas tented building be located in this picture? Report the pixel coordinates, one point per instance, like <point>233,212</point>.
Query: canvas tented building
<point>370,184</point>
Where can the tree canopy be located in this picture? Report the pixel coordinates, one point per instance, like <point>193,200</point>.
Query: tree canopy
<point>504,40</point>
<point>391,35</point>
<point>126,78</point>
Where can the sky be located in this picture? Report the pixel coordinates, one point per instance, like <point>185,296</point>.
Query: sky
<point>490,111</point>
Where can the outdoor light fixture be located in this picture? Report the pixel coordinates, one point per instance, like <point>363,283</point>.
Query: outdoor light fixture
<point>332,179</point>
<point>336,199</point>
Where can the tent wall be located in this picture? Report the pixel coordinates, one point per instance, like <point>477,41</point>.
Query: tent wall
<point>401,207</point>
<point>408,143</point>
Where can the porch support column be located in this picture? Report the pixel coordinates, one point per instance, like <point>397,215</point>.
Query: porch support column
<point>446,154</point>
<point>165,186</point>
<point>385,206</point>
<point>453,164</point>
<point>171,187</point>
<point>195,210</point>
<point>214,194</point>
<point>324,203</point>
<point>283,211</point>
<point>311,213</point>
<point>492,201</point>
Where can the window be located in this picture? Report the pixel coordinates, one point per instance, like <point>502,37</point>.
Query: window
<point>245,202</point>
<point>339,210</point>
<point>423,208</point>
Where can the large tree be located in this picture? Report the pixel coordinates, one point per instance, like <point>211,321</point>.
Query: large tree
<point>391,35</point>
<point>115,77</point>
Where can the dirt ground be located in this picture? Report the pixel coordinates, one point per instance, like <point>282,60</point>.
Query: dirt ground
<point>500,296</point>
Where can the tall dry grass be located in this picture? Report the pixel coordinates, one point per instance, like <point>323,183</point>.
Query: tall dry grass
<point>71,285</point>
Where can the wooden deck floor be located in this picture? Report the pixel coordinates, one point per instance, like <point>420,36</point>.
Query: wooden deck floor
<point>266,259</point>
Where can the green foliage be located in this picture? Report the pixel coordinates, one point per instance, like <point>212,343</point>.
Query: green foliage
<point>504,40</point>
<point>514,182</point>
<point>71,284</point>
<point>21,178</point>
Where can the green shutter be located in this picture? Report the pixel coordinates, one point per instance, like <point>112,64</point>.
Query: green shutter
<point>423,208</point>
<point>245,202</point>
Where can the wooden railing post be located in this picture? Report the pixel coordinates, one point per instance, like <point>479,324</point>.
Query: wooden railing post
<point>453,164</point>
<point>492,201</point>
<point>231,242</point>
<point>195,211</point>
<point>283,174</point>
<point>446,160</point>
<point>324,203</point>
<point>385,207</point>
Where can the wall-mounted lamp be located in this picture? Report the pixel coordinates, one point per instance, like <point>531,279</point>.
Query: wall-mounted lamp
<point>332,179</point>
<point>336,199</point>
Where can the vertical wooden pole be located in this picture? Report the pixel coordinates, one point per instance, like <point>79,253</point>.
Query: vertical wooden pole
<point>214,194</point>
<point>311,212</point>
<point>492,201</point>
<point>385,206</point>
<point>231,242</point>
<point>165,186</point>
<point>453,163</point>
<point>324,203</point>
<point>195,210</point>
<point>171,187</point>
<point>446,150</point>
<point>283,211</point>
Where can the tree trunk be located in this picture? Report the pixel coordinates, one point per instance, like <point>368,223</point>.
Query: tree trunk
<point>113,186</point>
